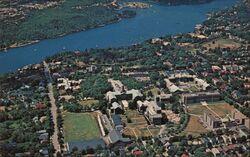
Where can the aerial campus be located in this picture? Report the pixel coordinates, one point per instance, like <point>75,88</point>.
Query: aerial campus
<point>180,95</point>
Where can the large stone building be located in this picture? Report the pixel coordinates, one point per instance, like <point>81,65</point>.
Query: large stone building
<point>117,140</point>
<point>116,108</point>
<point>190,98</point>
<point>126,95</point>
<point>117,122</point>
<point>153,112</point>
<point>119,100</point>
<point>181,81</point>
<point>211,120</point>
<point>240,118</point>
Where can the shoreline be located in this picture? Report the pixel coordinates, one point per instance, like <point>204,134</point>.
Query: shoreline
<point>119,18</point>
<point>19,45</point>
<point>176,2</point>
<point>37,55</point>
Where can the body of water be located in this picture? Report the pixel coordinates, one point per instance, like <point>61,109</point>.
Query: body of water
<point>159,20</point>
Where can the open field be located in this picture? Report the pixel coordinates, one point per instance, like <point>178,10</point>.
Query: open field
<point>222,43</point>
<point>80,126</point>
<point>88,102</point>
<point>194,127</point>
<point>196,109</point>
<point>222,109</point>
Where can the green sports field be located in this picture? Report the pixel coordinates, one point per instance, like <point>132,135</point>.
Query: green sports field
<point>80,126</point>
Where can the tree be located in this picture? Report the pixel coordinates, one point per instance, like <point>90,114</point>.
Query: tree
<point>58,154</point>
<point>190,137</point>
<point>72,107</point>
<point>150,94</point>
<point>74,149</point>
<point>200,152</point>
<point>90,150</point>
<point>154,76</point>
<point>233,140</point>
<point>162,83</point>
<point>95,86</point>
<point>209,145</point>
<point>132,105</point>
<point>99,147</point>
<point>163,106</point>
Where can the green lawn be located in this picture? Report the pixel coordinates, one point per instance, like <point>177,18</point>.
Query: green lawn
<point>221,108</point>
<point>197,109</point>
<point>194,127</point>
<point>88,102</point>
<point>79,126</point>
<point>222,43</point>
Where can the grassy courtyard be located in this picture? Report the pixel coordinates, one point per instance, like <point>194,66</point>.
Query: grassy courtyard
<point>88,102</point>
<point>194,127</point>
<point>80,126</point>
<point>221,108</point>
<point>138,126</point>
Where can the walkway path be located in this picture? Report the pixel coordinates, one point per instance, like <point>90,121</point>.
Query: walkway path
<point>162,129</point>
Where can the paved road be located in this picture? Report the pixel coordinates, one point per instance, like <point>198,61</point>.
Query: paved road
<point>53,109</point>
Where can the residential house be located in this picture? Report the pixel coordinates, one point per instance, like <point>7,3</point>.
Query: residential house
<point>247,85</point>
<point>44,152</point>
<point>44,136</point>
<point>66,84</point>
<point>39,106</point>
<point>215,152</point>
